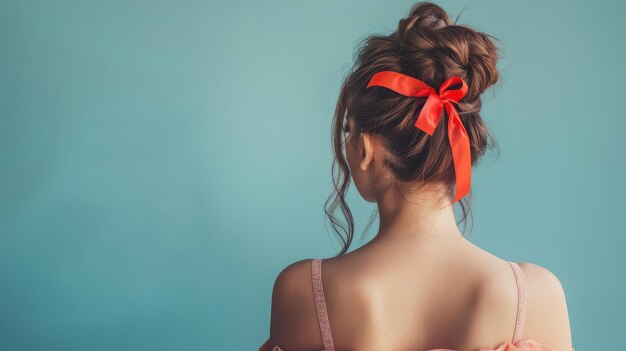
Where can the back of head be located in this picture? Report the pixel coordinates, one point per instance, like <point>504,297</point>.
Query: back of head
<point>429,47</point>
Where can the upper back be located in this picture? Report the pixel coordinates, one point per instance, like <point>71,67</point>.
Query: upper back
<point>379,304</point>
<point>452,308</point>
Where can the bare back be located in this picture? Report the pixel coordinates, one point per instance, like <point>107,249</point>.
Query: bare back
<point>460,298</point>
<point>455,296</point>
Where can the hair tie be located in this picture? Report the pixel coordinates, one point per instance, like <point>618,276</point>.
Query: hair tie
<point>431,114</point>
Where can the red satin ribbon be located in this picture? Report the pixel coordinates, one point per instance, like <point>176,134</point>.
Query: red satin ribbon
<point>431,114</point>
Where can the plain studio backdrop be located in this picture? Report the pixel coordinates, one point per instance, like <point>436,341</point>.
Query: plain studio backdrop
<point>162,161</point>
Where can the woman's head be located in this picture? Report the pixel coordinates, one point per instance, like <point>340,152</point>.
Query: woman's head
<point>374,138</point>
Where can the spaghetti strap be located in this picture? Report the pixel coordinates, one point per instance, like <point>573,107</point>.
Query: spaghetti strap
<point>521,301</point>
<point>320,304</point>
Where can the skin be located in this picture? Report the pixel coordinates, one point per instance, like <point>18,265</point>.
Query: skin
<point>417,285</point>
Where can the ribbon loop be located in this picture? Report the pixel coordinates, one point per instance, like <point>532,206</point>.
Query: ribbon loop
<point>454,95</point>
<point>429,117</point>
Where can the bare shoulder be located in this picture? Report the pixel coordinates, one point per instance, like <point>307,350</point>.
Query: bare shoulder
<point>293,316</point>
<point>295,278</point>
<point>547,317</point>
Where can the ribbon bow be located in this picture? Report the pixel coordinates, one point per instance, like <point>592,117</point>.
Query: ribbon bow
<point>431,114</point>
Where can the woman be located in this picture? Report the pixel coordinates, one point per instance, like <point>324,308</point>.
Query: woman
<point>408,120</point>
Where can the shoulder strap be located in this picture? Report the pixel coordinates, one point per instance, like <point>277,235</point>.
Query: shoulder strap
<point>320,303</point>
<point>521,301</point>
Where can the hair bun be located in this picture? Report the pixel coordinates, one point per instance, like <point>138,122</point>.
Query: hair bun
<point>424,15</point>
<point>433,49</point>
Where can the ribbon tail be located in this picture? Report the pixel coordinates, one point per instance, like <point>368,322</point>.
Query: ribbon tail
<point>461,153</point>
<point>430,114</point>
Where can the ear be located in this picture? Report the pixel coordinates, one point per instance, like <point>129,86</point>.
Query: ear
<point>368,150</point>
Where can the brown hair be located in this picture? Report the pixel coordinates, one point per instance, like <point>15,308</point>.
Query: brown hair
<point>429,47</point>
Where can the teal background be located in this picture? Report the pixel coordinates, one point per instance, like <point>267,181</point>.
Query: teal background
<point>161,162</point>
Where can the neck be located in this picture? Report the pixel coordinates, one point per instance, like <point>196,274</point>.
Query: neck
<point>424,217</point>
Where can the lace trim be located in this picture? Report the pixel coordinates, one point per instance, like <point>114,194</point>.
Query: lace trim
<point>320,303</point>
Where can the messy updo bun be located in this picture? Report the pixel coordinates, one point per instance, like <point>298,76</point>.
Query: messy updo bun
<point>429,47</point>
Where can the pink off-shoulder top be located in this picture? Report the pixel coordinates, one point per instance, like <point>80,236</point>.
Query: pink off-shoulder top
<point>516,344</point>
